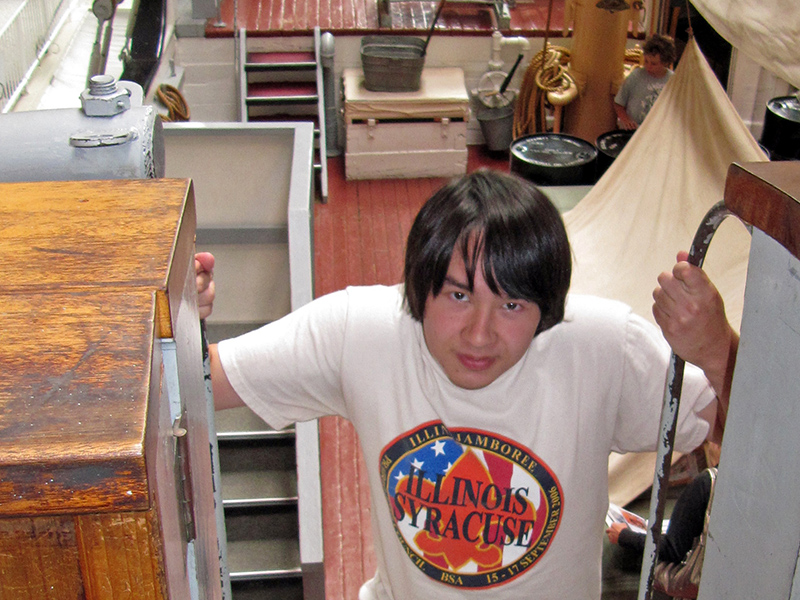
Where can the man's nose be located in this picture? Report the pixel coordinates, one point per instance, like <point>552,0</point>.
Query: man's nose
<point>480,327</point>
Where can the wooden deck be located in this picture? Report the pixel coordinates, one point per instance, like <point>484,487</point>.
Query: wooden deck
<point>269,18</point>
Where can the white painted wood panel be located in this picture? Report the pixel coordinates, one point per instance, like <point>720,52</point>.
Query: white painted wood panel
<point>754,532</point>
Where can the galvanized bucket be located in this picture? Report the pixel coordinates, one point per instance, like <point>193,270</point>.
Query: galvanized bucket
<point>497,126</point>
<point>392,63</point>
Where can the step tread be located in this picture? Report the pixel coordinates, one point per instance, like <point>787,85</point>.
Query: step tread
<point>259,485</point>
<point>282,90</point>
<point>280,60</point>
<point>238,423</point>
<point>244,435</point>
<point>273,557</point>
<point>283,118</point>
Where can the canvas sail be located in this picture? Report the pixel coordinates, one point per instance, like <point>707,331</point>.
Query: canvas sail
<point>648,206</point>
<point>768,31</point>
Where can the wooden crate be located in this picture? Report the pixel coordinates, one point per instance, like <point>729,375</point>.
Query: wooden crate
<point>100,495</point>
<point>406,134</point>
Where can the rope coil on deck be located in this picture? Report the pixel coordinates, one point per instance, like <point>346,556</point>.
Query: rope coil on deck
<point>546,82</point>
<point>174,102</point>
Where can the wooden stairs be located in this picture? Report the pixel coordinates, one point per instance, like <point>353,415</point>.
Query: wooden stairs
<point>285,83</point>
<point>259,498</point>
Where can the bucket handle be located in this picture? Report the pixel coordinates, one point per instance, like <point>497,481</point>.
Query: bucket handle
<point>507,80</point>
<point>433,25</point>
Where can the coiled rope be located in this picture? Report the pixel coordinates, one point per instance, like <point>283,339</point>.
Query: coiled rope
<point>174,102</point>
<point>546,82</point>
<point>546,79</point>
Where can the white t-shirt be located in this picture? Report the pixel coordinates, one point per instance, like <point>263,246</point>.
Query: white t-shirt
<point>639,92</point>
<point>446,465</point>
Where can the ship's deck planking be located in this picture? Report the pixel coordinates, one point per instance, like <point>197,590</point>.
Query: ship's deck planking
<point>361,17</point>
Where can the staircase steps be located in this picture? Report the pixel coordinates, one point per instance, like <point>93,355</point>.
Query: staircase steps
<point>259,497</point>
<point>281,92</point>
<point>277,61</point>
<point>280,86</point>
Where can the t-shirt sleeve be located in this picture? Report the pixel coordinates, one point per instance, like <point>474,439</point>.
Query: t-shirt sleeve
<point>632,540</point>
<point>646,362</point>
<point>623,93</point>
<point>290,370</point>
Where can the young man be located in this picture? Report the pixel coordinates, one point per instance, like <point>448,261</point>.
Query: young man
<point>486,400</point>
<point>642,86</point>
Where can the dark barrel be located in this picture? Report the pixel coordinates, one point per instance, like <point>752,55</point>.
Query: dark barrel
<point>781,134</point>
<point>554,159</point>
<point>609,145</point>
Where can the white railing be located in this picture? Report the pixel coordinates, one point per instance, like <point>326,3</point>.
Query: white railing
<point>24,40</point>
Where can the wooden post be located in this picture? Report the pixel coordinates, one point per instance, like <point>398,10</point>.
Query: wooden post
<point>598,53</point>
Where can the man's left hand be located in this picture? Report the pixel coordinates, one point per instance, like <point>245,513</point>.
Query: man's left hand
<point>691,314</point>
<point>204,273</point>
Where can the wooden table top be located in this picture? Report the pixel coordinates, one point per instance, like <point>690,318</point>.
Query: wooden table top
<point>83,265</point>
<point>97,233</point>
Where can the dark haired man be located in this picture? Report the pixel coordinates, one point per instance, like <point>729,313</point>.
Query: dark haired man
<point>643,85</point>
<point>486,400</point>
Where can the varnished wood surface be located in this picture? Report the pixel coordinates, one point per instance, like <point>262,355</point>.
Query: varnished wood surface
<point>767,196</point>
<point>73,401</point>
<point>40,557</point>
<point>88,233</point>
<point>83,266</point>
<point>120,556</point>
<point>97,557</point>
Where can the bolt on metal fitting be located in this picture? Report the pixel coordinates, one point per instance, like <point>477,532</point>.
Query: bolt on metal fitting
<point>103,98</point>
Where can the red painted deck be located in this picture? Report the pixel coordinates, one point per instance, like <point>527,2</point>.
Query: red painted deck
<point>359,239</point>
<point>360,17</point>
<point>360,232</point>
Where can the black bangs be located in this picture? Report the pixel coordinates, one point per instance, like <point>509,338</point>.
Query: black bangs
<point>505,223</point>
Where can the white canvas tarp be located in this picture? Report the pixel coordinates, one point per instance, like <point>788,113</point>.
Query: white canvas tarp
<point>648,206</point>
<point>768,31</point>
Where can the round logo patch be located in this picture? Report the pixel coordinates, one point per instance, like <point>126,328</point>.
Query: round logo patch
<point>471,508</point>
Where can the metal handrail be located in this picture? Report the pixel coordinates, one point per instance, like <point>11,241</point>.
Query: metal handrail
<point>24,41</point>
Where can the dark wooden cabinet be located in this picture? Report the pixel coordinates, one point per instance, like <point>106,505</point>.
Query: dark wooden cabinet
<point>105,470</point>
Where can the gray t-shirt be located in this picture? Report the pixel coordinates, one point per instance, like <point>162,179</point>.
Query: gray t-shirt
<point>639,92</point>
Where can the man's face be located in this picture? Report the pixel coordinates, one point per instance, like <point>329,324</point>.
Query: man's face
<point>476,336</point>
<point>654,66</point>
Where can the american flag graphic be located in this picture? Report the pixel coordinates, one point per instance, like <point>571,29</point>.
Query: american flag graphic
<point>472,509</point>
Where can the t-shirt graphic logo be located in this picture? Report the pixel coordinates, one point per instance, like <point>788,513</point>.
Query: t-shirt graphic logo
<point>471,508</point>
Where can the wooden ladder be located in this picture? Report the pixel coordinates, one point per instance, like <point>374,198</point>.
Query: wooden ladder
<point>285,85</point>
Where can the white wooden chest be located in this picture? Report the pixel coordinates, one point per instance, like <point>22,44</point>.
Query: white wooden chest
<point>406,134</point>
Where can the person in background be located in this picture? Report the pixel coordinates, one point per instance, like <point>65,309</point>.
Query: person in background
<point>685,524</point>
<point>642,86</point>
<point>485,397</point>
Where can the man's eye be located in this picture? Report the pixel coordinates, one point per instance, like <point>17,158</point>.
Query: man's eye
<point>513,306</point>
<point>460,296</point>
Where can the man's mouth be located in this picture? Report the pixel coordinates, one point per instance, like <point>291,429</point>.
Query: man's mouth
<point>476,363</point>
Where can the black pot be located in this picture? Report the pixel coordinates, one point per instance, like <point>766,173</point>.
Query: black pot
<point>554,159</point>
<point>609,145</point>
<point>781,134</point>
